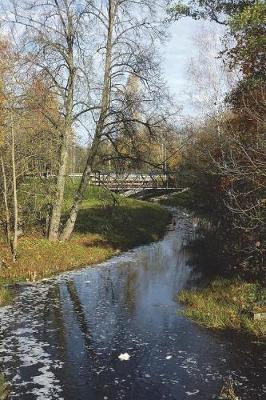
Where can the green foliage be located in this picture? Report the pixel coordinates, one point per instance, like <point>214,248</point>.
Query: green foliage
<point>227,304</point>
<point>180,10</point>
<point>216,10</point>
<point>248,28</point>
<point>251,16</point>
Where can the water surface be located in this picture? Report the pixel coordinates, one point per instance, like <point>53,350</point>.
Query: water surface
<point>61,339</point>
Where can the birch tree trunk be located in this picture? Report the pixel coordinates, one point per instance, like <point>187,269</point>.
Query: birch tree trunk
<point>7,211</point>
<point>79,195</point>
<point>54,226</point>
<point>15,198</point>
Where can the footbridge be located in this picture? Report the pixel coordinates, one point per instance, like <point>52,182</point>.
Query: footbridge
<point>134,184</point>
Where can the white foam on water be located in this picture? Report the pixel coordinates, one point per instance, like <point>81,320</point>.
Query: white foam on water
<point>21,348</point>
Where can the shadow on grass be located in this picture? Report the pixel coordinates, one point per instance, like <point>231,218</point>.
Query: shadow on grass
<point>123,226</point>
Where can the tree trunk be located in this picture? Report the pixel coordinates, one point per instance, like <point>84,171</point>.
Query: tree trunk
<point>8,226</point>
<point>79,195</point>
<point>55,220</point>
<point>15,198</point>
<point>54,224</point>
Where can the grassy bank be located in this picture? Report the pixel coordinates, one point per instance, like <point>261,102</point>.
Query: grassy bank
<point>181,199</point>
<point>227,305</point>
<point>5,297</point>
<point>106,225</point>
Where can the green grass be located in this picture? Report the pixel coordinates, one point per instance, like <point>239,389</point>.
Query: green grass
<point>182,199</point>
<point>227,305</point>
<point>122,222</point>
<point>106,225</point>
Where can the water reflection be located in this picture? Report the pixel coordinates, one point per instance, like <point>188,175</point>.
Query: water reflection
<point>62,340</point>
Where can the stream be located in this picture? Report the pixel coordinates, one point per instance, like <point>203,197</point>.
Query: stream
<point>61,339</point>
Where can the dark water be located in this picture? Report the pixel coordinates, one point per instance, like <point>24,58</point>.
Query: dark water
<point>61,339</point>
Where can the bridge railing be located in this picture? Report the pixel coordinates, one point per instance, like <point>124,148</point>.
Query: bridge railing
<point>125,181</point>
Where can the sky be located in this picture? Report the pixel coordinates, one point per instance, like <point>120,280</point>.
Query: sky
<point>176,54</point>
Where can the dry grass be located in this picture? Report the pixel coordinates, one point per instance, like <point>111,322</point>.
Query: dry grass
<point>38,258</point>
<point>227,305</point>
<point>5,298</point>
<point>4,389</point>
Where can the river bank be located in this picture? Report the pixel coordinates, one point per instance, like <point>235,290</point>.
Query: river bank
<point>104,229</point>
<point>235,298</point>
<point>228,304</point>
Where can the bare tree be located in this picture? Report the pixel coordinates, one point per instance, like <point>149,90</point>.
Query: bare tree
<point>51,42</point>
<point>130,32</point>
<point>61,40</point>
<point>209,77</point>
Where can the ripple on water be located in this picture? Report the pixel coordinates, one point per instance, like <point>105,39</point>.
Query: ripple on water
<point>62,339</point>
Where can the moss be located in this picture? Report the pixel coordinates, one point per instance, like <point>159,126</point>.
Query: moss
<point>227,304</point>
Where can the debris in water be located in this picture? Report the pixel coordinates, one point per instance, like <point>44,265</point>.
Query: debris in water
<point>192,393</point>
<point>124,357</point>
<point>228,391</point>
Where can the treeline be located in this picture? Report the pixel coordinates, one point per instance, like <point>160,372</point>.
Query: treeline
<point>71,68</point>
<point>224,162</point>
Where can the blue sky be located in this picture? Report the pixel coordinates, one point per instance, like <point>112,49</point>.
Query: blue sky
<point>176,54</point>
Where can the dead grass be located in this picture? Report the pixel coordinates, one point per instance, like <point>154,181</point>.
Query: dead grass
<point>4,389</point>
<point>227,305</point>
<point>5,297</point>
<point>38,258</point>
